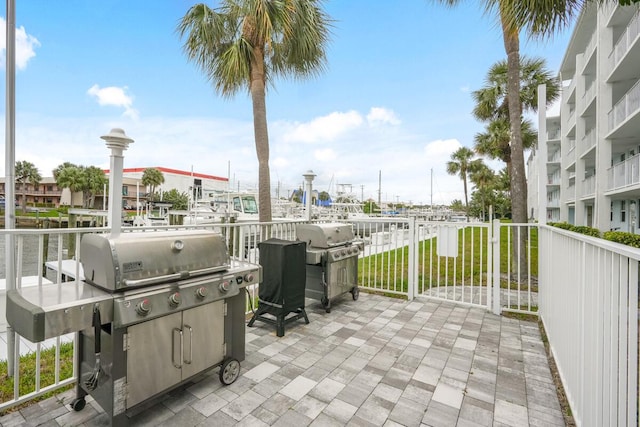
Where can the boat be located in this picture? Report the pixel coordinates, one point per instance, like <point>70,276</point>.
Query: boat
<point>154,214</point>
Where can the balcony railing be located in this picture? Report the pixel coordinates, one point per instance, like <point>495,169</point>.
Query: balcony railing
<point>590,45</point>
<point>589,186</point>
<point>588,141</point>
<point>624,173</point>
<point>625,41</point>
<point>555,134</point>
<point>589,93</point>
<point>628,105</point>
<point>555,157</point>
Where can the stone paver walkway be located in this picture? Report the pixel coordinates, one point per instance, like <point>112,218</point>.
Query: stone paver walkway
<point>377,361</point>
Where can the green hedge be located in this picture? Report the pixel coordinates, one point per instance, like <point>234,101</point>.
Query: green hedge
<point>582,229</point>
<point>623,237</point>
<point>629,239</point>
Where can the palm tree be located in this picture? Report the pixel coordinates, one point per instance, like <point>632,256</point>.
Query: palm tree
<point>26,173</point>
<point>94,181</point>
<point>544,18</point>
<point>504,9</point>
<point>461,164</point>
<point>492,101</point>
<point>494,141</point>
<point>71,177</point>
<point>483,178</point>
<point>245,44</point>
<point>61,166</point>
<point>152,178</point>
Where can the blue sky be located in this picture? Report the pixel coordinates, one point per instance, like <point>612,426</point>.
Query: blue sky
<point>395,99</point>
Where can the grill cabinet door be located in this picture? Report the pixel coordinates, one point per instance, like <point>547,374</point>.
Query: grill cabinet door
<point>203,329</point>
<point>150,369</point>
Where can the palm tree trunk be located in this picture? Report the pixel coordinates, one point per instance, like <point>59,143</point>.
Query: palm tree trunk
<point>261,134</point>
<point>466,197</point>
<point>518,182</point>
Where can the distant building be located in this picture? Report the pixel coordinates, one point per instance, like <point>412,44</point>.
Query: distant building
<point>590,166</point>
<point>47,193</point>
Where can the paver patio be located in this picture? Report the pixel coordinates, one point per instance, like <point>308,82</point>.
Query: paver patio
<point>377,361</point>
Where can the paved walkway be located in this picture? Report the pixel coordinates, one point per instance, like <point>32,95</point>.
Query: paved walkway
<point>377,361</point>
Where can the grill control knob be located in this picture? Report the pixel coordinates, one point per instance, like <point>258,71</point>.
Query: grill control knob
<point>175,299</point>
<point>224,286</point>
<point>143,307</point>
<point>201,292</point>
<point>248,277</point>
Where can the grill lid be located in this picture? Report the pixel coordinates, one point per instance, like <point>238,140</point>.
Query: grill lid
<point>144,258</point>
<point>326,235</point>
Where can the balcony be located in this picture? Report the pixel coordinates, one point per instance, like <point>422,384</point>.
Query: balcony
<point>555,157</point>
<point>628,106</point>
<point>624,174</point>
<point>622,48</point>
<point>553,135</point>
<point>589,186</point>
<point>588,142</point>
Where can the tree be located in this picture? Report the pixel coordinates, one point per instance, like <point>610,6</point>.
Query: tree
<point>246,44</point>
<point>544,18</point>
<point>492,101</point>
<point>178,200</point>
<point>494,141</point>
<point>61,166</point>
<point>483,179</point>
<point>90,180</point>
<point>26,173</point>
<point>456,205</point>
<point>152,178</point>
<point>94,182</point>
<point>70,176</point>
<point>461,164</point>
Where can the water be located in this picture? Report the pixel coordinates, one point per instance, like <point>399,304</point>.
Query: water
<point>30,249</point>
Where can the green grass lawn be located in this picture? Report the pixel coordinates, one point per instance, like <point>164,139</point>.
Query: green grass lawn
<point>470,265</point>
<point>28,369</point>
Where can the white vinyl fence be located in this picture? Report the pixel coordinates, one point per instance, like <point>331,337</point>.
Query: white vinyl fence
<point>585,291</point>
<point>589,307</point>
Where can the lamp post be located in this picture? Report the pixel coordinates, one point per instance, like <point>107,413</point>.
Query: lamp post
<point>117,141</point>
<point>308,179</point>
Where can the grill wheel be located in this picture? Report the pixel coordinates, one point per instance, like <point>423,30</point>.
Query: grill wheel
<point>229,371</point>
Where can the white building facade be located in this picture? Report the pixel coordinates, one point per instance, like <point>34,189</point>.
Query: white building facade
<point>588,158</point>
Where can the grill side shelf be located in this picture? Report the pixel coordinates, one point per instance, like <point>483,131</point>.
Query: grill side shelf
<point>40,313</point>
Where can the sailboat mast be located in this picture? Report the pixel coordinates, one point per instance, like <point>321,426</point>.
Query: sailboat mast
<point>379,188</point>
<point>431,188</point>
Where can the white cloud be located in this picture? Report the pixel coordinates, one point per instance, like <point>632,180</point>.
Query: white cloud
<point>379,116</point>
<point>325,155</point>
<point>441,148</point>
<point>325,128</point>
<point>25,45</point>
<point>114,96</point>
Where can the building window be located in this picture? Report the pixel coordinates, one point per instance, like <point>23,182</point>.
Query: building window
<point>623,211</point>
<point>125,190</point>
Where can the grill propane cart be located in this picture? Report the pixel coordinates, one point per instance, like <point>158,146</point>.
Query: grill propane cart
<point>156,309</point>
<point>331,261</point>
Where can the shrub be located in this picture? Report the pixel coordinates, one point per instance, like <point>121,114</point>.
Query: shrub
<point>623,237</point>
<point>582,229</point>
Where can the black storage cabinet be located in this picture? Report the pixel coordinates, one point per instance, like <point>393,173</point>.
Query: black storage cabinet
<point>283,283</point>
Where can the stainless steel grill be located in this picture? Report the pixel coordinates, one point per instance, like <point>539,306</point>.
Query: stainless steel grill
<point>154,310</point>
<point>331,261</point>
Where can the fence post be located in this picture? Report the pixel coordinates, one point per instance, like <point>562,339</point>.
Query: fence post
<point>496,267</point>
<point>413,259</point>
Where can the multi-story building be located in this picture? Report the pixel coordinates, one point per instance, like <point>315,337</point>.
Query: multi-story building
<point>47,193</point>
<point>589,156</point>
